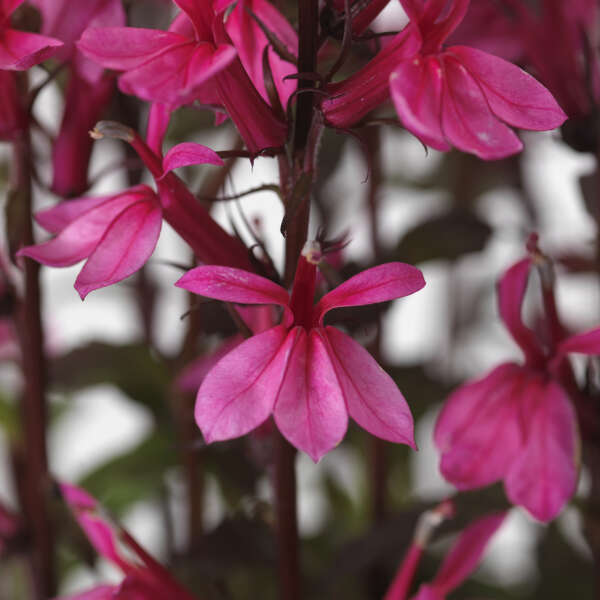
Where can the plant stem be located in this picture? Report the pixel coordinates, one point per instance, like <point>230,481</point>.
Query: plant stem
<point>33,405</point>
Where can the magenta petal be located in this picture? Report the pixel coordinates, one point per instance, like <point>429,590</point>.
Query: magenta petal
<point>378,284</point>
<point>429,592</point>
<point>240,391</point>
<point>125,246</point>
<point>56,218</point>
<point>77,498</point>
<point>310,410</point>
<point>416,87</point>
<point>582,343</point>
<point>19,50</point>
<point>7,7</point>
<point>511,291</point>
<point>544,476</point>
<point>513,95</point>
<point>467,120</point>
<point>466,553</point>
<point>479,432</point>
<point>233,285</point>
<point>189,153</point>
<point>201,14</point>
<point>373,399</point>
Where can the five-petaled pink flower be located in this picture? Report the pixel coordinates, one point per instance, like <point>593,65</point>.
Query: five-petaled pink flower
<point>456,96</point>
<point>308,375</point>
<point>518,423</point>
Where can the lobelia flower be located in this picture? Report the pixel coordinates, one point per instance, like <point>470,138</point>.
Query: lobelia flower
<point>145,578</point>
<point>455,96</point>
<point>116,234</point>
<point>20,50</point>
<point>88,92</point>
<point>462,559</point>
<point>518,423</point>
<point>195,59</point>
<point>311,377</point>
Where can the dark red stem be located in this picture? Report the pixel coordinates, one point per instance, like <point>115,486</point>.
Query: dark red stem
<point>33,405</point>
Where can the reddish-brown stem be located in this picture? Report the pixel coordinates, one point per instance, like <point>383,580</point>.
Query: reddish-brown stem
<point>33,404</point>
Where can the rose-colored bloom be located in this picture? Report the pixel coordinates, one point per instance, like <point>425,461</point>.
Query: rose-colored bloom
<point>145,578</point>
<point>518,423</point>
<point>194,60</point>
<point>462,559</point>
<point>456,96</point>
<point>309,376</point>
<point>20,50</point>
<point>116,234</point>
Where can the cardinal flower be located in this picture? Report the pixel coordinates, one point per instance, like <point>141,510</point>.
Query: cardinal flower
<point>144,576</point>
<point>311,377</point>
<point>116,234</point>
<point>20,50</point>
<point>518,423</point>
<point>462,559</point>
<point>456,96</point>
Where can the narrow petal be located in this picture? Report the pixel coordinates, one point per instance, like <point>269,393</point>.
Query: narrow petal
<point>544,476</point>
<point>511,291</point>
<point>124,48</point>
<point>7,7</point>
<point>466,553</point>
<point>240,391</point>
<point>582,343</point>
<point>467,121</point>
<point>310,410</point>
<point>373,399</point>
<point>201,14</point>
<point>189,153</point>
<point>19,50</point>
<point>513,95</point>
<point>479,432</point>
<point>233,285</point>
<point>416,87</point>
<point>56,218</point>
<point>378,284</point>
<point>429,592</point>
<point>125,246</point>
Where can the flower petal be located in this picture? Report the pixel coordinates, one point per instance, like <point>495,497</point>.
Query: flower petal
<point>479,432</point>
<point>189,153</point>
<point>56,218</point>
<point>239,393</point>
<point>582,343</point>
<point>310,410</point>
<point>378,284</point>
<point>511,291</point>
<point>513,95</point>
<point>373,399</point>
<point>125,246</point>
<point>19,50</point>
<point>466,553</point>
<point>416,87</point>
<point>233,285</point>
<point>467,121</point>
<point>544,476</point>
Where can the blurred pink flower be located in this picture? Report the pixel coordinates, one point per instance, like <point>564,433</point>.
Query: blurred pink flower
<point>310,377</point>
<point>462,559</point>
<point>456,96</point>
<point>145,578</point>
<point>20,50</point>
<point>518,423</point>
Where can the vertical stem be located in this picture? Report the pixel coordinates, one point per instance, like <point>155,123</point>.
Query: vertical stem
<point>33,405</point>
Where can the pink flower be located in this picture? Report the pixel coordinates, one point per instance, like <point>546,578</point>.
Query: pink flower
<point>518,423</point>
<point>20,50</point>
<point>145,578</point>
<point>195,59</point>
<point>116,234</point>
<point>310,377</point>
<point>462,559</point>
<point>456,96</point>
